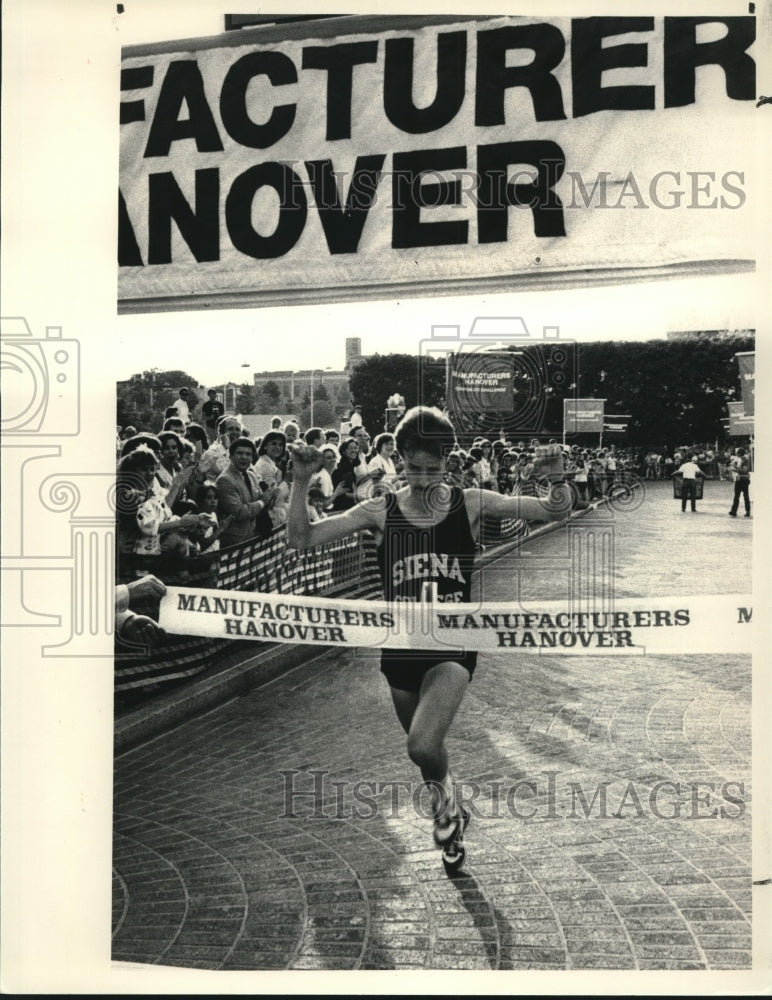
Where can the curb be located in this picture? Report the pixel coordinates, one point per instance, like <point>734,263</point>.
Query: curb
<point>220,685</point>
<point>208,690</point>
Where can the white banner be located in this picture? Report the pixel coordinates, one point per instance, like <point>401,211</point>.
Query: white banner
<point>701,624</point>
<point>405,155</point>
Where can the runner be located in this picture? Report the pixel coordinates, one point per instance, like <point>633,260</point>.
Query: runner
<point>426,534</point>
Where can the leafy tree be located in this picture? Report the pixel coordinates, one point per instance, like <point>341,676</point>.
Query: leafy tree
<point>377,377</point>
<point>143,399</point>
<point>324,414</point>
<point>246,401</point>
<point>272,393</point>
<point>675,390</point>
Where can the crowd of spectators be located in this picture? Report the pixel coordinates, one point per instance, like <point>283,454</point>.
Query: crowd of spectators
<point>187,487</point>
<point>714,462</point>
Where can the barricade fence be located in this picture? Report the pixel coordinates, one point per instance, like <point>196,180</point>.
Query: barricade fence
<point>345,568</point>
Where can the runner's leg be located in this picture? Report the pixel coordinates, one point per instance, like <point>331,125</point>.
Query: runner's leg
<point>405,704</point>
<point>441,693</point>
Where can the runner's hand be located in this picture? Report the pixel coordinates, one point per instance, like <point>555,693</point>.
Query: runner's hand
<point>306,460</point>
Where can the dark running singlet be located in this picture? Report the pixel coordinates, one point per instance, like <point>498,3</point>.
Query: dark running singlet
<point>414,556</point>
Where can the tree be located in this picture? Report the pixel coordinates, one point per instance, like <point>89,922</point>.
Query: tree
<point>272,393</point>
<point>144,398</point>
<point>324,415</point>
<point>377,377</point>
<point>675,390</point>
<point>246,401</point>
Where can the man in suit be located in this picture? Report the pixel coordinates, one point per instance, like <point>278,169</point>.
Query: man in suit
<point>240,494</point>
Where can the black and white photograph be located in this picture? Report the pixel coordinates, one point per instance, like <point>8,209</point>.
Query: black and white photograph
<point>379,584</point>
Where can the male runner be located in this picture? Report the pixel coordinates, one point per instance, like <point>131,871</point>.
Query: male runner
<point>426,534</point>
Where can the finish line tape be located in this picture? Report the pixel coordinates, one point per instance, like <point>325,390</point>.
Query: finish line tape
<point>633,626</point>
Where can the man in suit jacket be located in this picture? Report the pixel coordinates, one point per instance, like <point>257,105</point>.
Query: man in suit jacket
<point>240,494</point>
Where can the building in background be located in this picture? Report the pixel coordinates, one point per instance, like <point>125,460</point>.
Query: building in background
<point>295,385</point>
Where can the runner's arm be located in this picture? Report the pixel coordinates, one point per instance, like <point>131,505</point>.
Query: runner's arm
<point>304,534</point>
<point>553,507</point>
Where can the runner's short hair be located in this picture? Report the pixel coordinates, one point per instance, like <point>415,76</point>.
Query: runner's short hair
<point>425,428</point>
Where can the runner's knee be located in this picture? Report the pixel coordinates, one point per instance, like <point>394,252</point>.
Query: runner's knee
<point>423,749</point>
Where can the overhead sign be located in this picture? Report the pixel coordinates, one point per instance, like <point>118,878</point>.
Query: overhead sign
<point>740,422</point>
<point>747,364</point>
<point>357,156</point>
<point>583,416</point>
<point>481,382</point>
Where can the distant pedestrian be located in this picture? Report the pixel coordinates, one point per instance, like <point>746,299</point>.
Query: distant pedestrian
<point>690,473</point>
<point>742,483</point>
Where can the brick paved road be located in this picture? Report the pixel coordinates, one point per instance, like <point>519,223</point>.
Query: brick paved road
<point>211,873</point>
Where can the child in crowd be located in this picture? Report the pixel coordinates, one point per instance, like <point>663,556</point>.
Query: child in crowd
<point>315,504</point>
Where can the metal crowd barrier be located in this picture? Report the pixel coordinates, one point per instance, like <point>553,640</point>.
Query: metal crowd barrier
<point>346,568</point>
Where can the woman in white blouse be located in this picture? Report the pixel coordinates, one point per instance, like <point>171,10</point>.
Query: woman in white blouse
<point>383,449</point>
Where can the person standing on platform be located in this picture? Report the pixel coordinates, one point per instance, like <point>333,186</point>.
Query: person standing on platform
<point>181,405</point>
<point>211,411</point>
<point>742,483</point>
<point>690,472</point>
<point>426,535</point>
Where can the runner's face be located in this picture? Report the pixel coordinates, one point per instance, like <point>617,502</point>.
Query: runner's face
<point>423,471</point>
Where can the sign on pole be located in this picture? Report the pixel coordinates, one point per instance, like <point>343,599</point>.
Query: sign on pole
<point>583,416</point>
<point>746,361</point>
<point>740,423</point>
<point>481,382</point>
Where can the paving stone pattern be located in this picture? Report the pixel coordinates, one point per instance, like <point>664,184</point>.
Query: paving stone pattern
<point>218,866</point>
